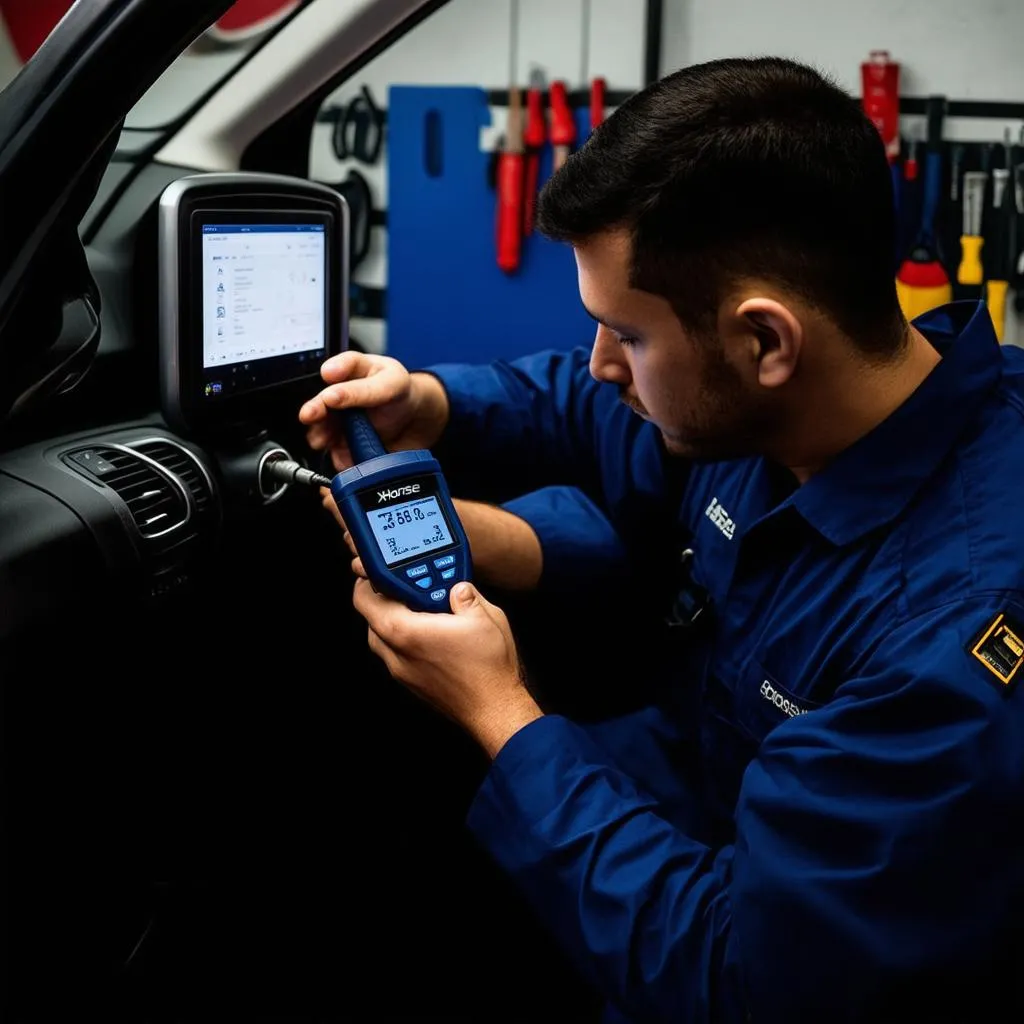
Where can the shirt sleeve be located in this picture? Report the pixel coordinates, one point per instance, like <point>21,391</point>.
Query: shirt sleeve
<point>877,839</point>
<point>542,420</point>
<point>579,546</point>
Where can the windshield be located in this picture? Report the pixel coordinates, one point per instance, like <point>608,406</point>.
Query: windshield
<point>25,24</point>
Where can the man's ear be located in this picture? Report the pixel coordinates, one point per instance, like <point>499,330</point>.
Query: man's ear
<point>776,339</point>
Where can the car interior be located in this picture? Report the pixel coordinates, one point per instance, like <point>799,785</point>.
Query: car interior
<point>217,804</point>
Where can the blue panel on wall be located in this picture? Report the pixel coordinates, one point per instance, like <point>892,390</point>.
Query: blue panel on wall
<point>446,298</point>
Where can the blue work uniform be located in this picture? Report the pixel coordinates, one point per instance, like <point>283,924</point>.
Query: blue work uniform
<point>823,818</point>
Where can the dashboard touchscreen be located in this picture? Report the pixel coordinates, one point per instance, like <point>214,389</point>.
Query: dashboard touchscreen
<point>263,300</point>
<point>264,292</point>
<point>253,296</point>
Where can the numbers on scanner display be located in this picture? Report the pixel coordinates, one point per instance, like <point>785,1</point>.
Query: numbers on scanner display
<point>392,519</point>
<point>407,529</point>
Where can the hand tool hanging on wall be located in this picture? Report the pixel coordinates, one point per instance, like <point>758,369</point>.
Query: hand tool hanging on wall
<point>1018,237</point>
<point>950,216</point>
<point>598,88</point>
<point>970,271</point>
<point>534,137</point>
<point>510,181</point>
<point>563,123</point>
<point>511,169</point>
<point>997,247</point>
<point>908,212</point>
<point>922,282</point>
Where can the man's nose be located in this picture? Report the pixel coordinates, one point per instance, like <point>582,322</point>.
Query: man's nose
<point>607,360</point>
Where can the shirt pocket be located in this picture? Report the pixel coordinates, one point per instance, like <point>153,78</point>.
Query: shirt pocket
<point>762,702</point>
<point>739,709</point>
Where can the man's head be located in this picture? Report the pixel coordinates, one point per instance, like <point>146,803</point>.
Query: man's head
<point>725,220</point>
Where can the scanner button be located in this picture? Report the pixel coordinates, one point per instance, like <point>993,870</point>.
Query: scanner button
<point>448,574</point>
<point>442,563</point>
<point>438,595</point>
<point>417,570</point>
<point>425,584</point>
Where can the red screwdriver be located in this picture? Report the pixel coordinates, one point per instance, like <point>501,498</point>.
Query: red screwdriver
<point>597,91</point>
<point>510,188</point>
<point>534,137</point>
<point>563,124</point>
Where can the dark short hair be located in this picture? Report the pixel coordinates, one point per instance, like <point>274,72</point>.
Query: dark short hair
<point>739,168</point>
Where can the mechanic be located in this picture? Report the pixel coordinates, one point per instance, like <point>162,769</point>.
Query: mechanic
<point>821,819</point>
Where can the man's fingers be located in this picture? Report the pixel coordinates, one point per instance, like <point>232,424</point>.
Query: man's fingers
<point>391,660</point>
<point>350,382</point>
<point>390,620</point>
<point>357,568</point>
<point>320,435</point>
<point>314,411</point>
<point>346,365</point>
<point>331,505</point>
<point>368,603</point>
<point>361,393</point>
<point>341,458</point>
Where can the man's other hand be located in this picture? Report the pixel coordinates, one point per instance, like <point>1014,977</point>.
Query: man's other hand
<point>464,663</point>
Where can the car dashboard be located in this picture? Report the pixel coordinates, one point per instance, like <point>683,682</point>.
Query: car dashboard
<point>142,508</point>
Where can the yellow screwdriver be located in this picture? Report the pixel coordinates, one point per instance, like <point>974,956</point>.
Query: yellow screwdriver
<point>970,270</point>
<point>998,277</point>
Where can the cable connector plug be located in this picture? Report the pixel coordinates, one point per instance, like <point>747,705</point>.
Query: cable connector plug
<point>285,471</point>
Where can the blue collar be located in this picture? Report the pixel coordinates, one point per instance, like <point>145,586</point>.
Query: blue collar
<point>873,480</point>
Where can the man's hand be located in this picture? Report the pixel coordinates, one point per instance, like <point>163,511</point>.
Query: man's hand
<point>464,664</point>
<point>407,410</point>
<point>332,506</point>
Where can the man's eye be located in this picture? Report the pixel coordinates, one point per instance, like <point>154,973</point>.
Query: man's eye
<point>625,339</point>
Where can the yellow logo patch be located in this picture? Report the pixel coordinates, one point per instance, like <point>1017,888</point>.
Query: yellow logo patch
<point>1000,648</point>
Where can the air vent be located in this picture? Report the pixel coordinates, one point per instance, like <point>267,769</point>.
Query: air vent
<point>156,505</point>
<point>184,466</point>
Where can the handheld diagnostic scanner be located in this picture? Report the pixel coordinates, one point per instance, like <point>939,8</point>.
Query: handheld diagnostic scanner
<point>400,515</point>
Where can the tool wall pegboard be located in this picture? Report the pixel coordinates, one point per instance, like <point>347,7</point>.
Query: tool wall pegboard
<point>488,46</point>
<point>958,180</point>
<point>446,284</point>
<point>454,292</point>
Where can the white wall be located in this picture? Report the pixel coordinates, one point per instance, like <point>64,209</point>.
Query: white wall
<point>962,49</point>
<point>469,42</point>
<point>966,49</point>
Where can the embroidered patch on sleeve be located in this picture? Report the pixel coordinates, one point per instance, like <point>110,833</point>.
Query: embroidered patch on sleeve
<point>1000,647</point>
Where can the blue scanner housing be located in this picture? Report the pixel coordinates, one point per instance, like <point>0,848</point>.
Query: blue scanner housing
<point>401,518</point>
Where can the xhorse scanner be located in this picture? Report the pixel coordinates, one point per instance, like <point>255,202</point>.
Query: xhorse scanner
<point>397,508</point>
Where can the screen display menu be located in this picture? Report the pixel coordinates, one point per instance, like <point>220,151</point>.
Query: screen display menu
<point>264,292</point>
<point>410,529</point>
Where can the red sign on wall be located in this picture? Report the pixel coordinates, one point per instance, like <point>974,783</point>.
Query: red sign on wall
<point>29,22</point>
